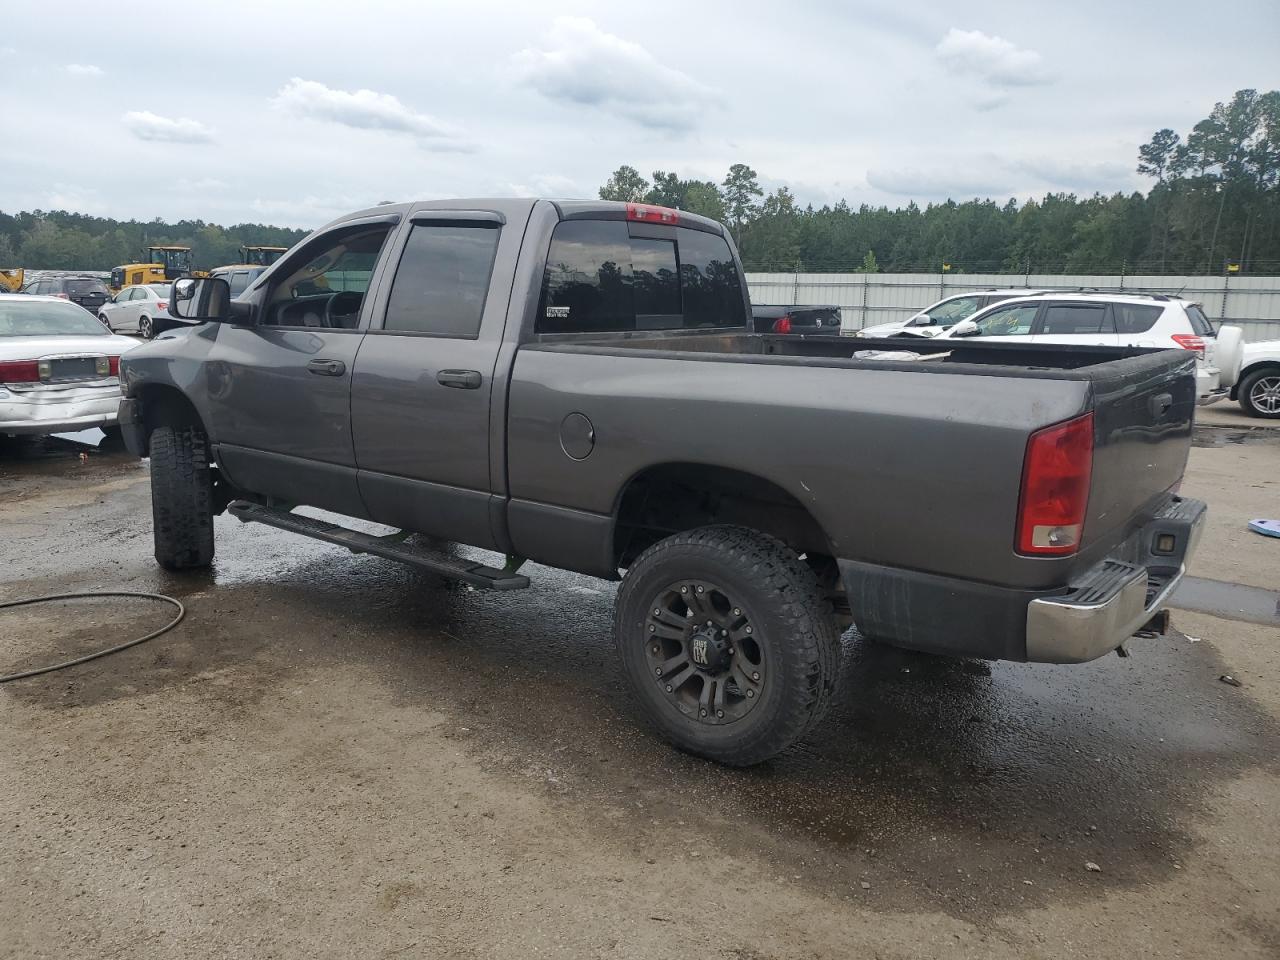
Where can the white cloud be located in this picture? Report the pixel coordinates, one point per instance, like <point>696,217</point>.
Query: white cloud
<point>991,59</point>
<point>83,70</point>
<point>545,185</point>
<point>146,125</point>
<point>364,110</point>
<point>583,65</point>
<point>200,185</point>
<point>1001,177</point>
<point>70,196</point>
<point>957,182</point>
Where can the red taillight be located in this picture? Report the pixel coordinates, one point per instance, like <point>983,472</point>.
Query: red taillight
<point>645,213</point>
<point>1189,341</point>
<point>20,371</point>
<point>162,304</point>
<point>1055,488</point>
<point>114,366</point>
<point>782,325</point>
<point>61,296</point>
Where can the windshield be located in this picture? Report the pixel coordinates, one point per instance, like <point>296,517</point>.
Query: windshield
<point>38,318</point>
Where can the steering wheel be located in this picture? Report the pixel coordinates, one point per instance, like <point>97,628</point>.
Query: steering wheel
<point>341,305</point>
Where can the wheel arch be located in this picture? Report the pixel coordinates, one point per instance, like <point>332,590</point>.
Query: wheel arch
<point>1258,366</point>
<point>164,405</point>
<point>668,498</point>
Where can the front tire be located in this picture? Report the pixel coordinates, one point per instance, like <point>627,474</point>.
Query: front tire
<point>728,643</point>
<point>1259,393</point>
<point>181,498</point>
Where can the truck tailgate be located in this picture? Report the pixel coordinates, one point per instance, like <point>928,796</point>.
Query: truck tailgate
<point>1143,411</point>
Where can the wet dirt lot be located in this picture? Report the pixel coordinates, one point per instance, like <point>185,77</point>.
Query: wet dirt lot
<point>334,756</point>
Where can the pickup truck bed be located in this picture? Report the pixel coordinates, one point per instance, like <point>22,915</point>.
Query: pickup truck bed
<point>575,383</point>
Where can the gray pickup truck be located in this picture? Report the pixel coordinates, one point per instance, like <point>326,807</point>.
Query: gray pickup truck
<point>577,384</point>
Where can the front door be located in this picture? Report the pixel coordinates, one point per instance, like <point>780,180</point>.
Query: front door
<point>423,381</point>
<point>280,388</point>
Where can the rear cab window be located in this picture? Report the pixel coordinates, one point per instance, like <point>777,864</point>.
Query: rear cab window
<point>615,276</point>
<point>1132,318</point>
<point>442,280</point>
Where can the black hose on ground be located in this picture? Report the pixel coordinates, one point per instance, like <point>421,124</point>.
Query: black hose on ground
<point>93,595</point>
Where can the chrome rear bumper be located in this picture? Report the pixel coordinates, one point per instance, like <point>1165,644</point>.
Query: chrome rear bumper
<point>1114,599</point>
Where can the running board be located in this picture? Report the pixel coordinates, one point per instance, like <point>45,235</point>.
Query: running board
<point>454,568</point>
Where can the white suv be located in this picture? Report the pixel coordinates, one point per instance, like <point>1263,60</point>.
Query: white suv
<point>1115,319</point>
<point>932,320</point>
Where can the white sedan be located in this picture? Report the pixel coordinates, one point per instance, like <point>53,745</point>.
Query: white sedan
<point>135,309</point>
<point>59,367</point>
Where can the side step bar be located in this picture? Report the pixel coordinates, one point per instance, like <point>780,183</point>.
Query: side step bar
<point>454,568</point>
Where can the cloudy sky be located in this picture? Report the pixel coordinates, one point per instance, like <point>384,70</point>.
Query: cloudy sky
<point>293,112</point>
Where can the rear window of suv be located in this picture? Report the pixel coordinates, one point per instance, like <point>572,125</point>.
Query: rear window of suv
<point>601,278</point>
<point>85,288</point>
<point>1199,322</point>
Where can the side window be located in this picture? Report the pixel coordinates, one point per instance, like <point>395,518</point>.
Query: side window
<point>1064,319</point>
<point>1134,317</point>
<point>1011,321</point>
<point>709,281</point>
<point>328,289</point>
<point>442,280</point>
<point>953,311</point>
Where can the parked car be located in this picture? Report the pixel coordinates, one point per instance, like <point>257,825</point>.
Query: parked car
<point>240,276</point>
<point>1114,319</point>
<point>795,319</point>
<point>538,379</point>
<point>88,292</point>
<point>137,309</point>
<point>58,367</point>
<point>1258,388</point>
<point>932,320</point>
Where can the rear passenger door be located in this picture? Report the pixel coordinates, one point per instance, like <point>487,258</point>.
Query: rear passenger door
<point>1076,322</point>
<point>423,379</point>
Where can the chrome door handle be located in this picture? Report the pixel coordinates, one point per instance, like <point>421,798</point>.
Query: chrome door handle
<point>327,368</point>
<point>462,379</point>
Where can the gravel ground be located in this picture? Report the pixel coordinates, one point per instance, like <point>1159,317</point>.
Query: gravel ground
<point>334,756</point>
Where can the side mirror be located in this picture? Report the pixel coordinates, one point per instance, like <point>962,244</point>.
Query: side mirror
<point>965,328</point>
<point>919,320</point>
<point>208,299</point>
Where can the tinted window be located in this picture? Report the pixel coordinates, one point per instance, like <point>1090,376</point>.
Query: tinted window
<point>1199,322</point>
<point>1011,321</point>
<point>656,282</point>
<point>953,311</point>
<point>1068,318</point>
<point>1134,317</point>
<point>85,288</point>
<point>588,280</point>
<point>709,281</point>
<point>442,280</point>
<point>601,278</point>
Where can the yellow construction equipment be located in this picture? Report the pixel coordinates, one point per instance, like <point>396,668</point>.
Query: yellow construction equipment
<point>261,256</point>
<point>167,262</point>
<point>11,280</point>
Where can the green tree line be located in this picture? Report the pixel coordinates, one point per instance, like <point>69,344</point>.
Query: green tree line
<point>59,240</point>
<point>1215,199</point>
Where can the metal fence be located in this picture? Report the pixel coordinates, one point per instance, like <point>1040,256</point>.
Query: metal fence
<point>1252,303</point>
